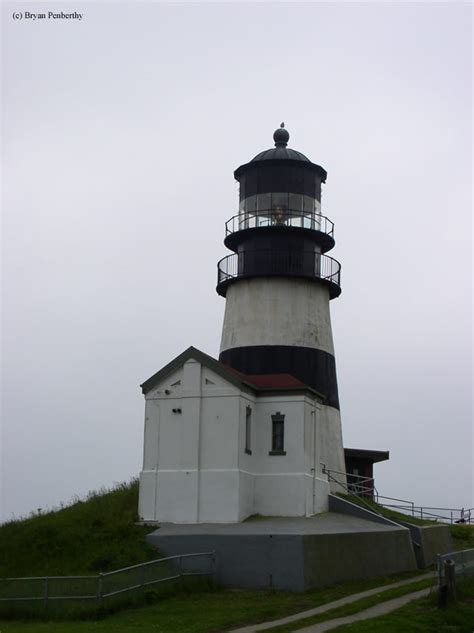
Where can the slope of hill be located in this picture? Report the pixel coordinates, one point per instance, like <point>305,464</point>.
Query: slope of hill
<point>90,535</point>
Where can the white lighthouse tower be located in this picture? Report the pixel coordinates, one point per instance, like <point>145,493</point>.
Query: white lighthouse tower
<point>249,433</point>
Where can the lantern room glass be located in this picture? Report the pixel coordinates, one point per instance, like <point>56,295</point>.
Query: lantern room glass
<point>280,208</point>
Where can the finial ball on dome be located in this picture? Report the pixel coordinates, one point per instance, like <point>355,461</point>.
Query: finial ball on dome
<point>281,136</point>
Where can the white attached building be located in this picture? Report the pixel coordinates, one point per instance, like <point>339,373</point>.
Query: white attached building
<point>221,446</point>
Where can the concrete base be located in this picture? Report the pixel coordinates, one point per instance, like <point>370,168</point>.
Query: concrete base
<point>293,554</point>
<point>430,540</point>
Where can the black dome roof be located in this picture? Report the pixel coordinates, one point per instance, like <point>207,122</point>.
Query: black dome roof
<point>280,151</point>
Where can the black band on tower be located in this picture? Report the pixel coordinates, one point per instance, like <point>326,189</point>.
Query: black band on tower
<point>313,367</point>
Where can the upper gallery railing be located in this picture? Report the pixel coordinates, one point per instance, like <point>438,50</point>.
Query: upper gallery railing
<point>280,217</point>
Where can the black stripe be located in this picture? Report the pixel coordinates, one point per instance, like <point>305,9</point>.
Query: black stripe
<point>313,367</point>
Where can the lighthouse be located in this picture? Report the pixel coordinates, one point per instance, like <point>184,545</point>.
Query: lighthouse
<point>254,431</point>
<point>279,281</point>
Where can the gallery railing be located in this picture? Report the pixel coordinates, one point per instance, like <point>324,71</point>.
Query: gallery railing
<point>279,217</point>
<point>274,262</point>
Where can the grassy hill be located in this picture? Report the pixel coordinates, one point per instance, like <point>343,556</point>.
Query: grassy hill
<point>99,533</point>
<point>90,535</point>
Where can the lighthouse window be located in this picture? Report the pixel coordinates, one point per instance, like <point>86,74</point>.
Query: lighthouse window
<point>308,204</point>
<point>251,204</point>
<point>264,202</point>
<point>296,202</point>
<point>248,430</point>
<point>278,434</point>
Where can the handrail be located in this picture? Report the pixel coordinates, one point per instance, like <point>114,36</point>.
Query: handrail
<point>328,472</point>
<point>279,217</point>
<point>466,514</point>
<point>152,562</point>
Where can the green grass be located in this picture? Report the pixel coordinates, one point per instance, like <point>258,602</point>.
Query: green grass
<point>196,611</point>
<point>386,512</point>
<point>88,536</point>
<point>423,615</point>
<point>463,537</point>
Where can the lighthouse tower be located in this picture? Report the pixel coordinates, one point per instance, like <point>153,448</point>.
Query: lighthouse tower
<point>278,282</point>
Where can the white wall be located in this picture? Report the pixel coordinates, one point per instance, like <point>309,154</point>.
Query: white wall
<point>190,457</point>
<point>277,311</point>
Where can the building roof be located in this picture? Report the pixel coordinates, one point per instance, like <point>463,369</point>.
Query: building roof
<point>368,455</point>
<point>259,384</point>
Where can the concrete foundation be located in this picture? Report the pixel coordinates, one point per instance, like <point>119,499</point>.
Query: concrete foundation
<point>293,554</point>
<point>428,540</point>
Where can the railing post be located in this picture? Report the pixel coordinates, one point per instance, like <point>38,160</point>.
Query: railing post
<point>142,576</point>
<point>99,589</point>
<point>450,578</point>
<point>214,563</point>
<point>45,596</point>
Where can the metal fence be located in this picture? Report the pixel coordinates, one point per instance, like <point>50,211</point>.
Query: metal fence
<point>463,561</point>
<point>99,588</point>
<point>428,513</point>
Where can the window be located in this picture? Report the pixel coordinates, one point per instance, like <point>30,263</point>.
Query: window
<point>248,430</point>
<point>278,434</point>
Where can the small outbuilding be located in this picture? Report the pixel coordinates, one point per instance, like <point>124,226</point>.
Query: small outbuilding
<point>221,445</point>
<point>360,469</point>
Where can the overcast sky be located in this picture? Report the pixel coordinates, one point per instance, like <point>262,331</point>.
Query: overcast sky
<point>121,134</point>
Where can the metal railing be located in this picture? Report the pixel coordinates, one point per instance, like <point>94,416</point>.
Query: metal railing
<point>463,561</point>
<point>279,217</point>
<point>428,513</point>
<point>275,262</point>
<point>364,487</point>
<point>359,487</point>
<point>356,484</point>
<point>106,585</point>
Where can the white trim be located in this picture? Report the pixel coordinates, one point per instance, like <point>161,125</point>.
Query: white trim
<point>228,470</point>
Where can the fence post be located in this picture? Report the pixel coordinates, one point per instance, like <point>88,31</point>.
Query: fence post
<point>180,569</point>
<point>214,563</point>
<point>142,576</point>
<point>450,577</point>
<point>46,592</point>
<point>99,589</point>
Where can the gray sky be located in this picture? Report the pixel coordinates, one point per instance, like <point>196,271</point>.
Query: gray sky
<point>121,134</point>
